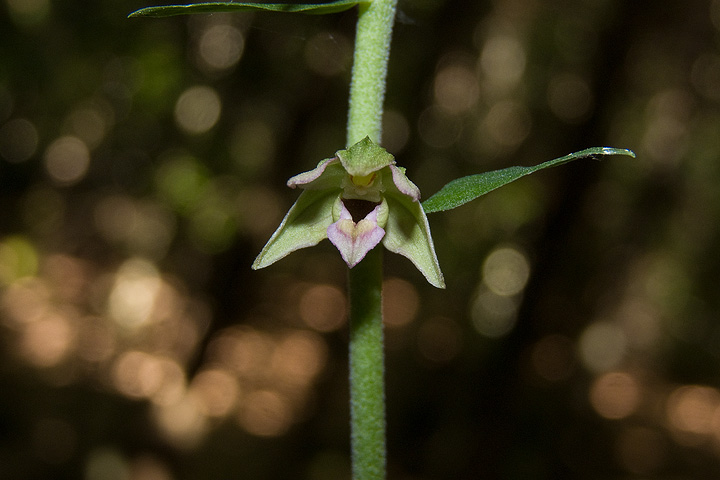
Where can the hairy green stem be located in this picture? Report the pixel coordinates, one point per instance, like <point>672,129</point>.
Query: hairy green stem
<point>367,88</point>
<point>367,392</point>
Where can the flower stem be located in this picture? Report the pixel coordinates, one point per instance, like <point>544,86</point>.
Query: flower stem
<point>367,391</point>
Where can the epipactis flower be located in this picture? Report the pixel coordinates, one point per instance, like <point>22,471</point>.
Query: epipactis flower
<point>357,199</point>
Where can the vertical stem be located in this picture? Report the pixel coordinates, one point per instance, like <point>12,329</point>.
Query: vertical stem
<point>367,88</point>
<point>367,392</point>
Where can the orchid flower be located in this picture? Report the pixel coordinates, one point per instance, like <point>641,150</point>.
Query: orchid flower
<point>357,199</point>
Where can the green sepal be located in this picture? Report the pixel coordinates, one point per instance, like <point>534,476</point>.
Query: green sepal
<point>231,7</point>
<point>463,190</point>
<point>305,225</point>
<point>407,232</point>
<point>364,157</point>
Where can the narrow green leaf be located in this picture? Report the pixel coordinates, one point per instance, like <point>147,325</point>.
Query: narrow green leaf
<point>230,7</point>
<point>463,190</point>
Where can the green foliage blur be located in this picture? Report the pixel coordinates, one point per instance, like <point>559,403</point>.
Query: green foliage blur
<point>143,166</point>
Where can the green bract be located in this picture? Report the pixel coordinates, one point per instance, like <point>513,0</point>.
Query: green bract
<point>357,199</point>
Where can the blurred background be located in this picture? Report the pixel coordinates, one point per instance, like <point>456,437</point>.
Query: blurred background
<point>143,166</point>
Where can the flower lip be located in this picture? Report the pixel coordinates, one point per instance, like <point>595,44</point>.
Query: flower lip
<point>359,208</point>
<point>355,238</point>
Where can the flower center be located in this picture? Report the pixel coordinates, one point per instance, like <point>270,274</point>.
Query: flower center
<point>358,208</point>
<point>363,180</point>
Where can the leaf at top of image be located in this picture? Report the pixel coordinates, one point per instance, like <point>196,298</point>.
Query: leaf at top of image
<point>318,8</point>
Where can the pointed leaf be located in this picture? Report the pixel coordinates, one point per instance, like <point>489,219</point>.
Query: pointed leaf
<point>463,190</point>
<point>230,7</point>
<point>305,225</point>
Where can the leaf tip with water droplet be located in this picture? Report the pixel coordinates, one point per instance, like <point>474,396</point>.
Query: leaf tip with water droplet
<point>617,151</point>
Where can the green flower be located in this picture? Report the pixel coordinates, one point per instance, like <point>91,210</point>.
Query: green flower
<point>357,199</point>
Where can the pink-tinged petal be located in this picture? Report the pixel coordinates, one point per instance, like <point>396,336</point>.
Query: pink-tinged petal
<point>354,240</point>
<point>404,184</point>
<point>328,174</point>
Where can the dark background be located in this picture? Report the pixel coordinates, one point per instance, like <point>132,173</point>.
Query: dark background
<point>143,166</point>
